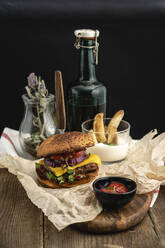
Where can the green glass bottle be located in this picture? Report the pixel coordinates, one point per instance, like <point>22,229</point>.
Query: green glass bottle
<point>86,96</point>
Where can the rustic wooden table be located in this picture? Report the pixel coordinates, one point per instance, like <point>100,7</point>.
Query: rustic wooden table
<point>23,225</point>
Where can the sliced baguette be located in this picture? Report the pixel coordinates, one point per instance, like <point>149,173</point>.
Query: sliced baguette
<point>98,128</point>
<point>112,127</point>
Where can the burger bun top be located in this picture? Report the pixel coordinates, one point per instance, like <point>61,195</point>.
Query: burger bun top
<point>64,143</point>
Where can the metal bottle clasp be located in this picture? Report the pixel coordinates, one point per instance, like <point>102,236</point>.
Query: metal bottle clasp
<point>96,46</point>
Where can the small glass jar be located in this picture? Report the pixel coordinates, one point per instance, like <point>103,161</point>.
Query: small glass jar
<point>110,152</point>
<point>39,122</point>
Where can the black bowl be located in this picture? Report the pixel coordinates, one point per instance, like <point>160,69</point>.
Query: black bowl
<point>117,200</point>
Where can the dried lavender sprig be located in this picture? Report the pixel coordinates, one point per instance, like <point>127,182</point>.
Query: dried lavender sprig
<point>36,87</point>
<point>32,80</point>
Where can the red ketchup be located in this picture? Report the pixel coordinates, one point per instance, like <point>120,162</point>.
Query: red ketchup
<point>115,188</point>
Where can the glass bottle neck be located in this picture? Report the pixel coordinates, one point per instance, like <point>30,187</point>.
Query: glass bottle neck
<point>87,61</point>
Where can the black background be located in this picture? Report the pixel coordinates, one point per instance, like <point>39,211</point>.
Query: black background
<point>38,37</point>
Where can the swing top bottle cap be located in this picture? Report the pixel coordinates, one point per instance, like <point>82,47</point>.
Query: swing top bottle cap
<point>86,33</point>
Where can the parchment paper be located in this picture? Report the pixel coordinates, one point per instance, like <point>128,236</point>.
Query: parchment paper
<point>144,164</point>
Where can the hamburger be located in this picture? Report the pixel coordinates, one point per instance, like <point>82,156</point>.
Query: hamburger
<point>65,162</point>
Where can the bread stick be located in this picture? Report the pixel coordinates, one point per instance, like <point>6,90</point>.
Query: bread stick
<point>98,128</point>
<point>112,127</point>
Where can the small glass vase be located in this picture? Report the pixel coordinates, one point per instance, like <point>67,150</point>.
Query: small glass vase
<point>39,122</point>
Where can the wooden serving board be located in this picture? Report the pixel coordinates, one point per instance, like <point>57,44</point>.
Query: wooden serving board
<point>118,220</point>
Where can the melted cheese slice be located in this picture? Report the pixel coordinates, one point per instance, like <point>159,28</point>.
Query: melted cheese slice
<point>58,171</point>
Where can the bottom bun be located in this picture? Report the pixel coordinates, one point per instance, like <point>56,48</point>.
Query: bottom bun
<point>55,185</point>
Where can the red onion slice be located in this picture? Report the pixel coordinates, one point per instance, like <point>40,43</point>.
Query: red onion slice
<point>74,161</point>
<point>70,161</point>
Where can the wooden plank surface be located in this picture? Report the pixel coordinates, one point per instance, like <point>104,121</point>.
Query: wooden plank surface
<point>157,215</point>
<point>141,236</point>
<point>20,220</point>
<point>22,225</point>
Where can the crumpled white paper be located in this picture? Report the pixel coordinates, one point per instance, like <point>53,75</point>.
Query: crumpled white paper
<point>62,206</point>
<point>144,164</point>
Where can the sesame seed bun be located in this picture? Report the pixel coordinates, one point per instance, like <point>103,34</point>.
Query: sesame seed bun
<point>63,143</point>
